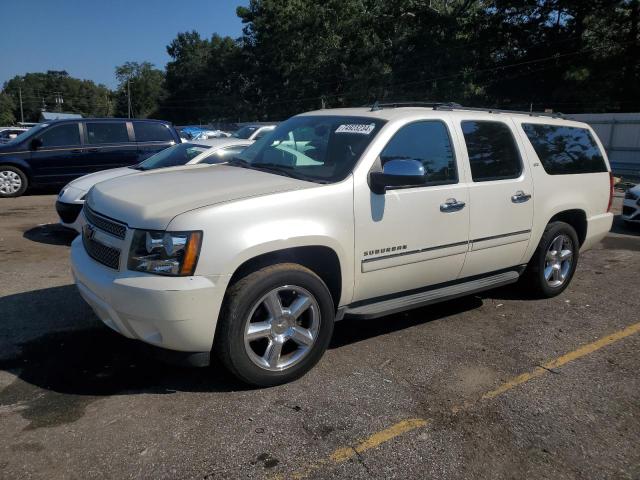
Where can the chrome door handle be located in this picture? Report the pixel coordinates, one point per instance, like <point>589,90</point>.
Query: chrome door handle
<point>520,197</point>
<point>451,205</point>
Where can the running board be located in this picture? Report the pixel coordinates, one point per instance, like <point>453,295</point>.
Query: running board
<point>399,304</point>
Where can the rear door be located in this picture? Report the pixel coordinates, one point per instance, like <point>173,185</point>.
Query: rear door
<point>109,144</point>
<point>151,137</point>
<point>500,196</point>
<point>59,158</point>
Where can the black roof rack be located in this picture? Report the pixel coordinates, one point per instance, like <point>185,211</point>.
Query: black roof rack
<point>456,106</point>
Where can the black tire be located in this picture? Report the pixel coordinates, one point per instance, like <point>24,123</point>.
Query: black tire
<point>23,179</point>
<point>240,300</point>
<point>534,279</point>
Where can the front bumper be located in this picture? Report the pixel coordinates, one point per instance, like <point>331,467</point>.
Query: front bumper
<point>176,313</point>
<point>69,213</point>
<point>631,210</point>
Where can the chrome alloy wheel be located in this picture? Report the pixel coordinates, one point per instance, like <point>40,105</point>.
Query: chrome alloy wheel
<point>282,327</point>
<point>558,261</point>
<point>10,182</point>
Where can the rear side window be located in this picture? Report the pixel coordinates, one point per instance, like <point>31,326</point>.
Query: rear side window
<point>58,136</point>
<point>429,143</point>
<point>565,150</point>
<point>107,132</point>
<point>152,132</point>
<point>493,153</point>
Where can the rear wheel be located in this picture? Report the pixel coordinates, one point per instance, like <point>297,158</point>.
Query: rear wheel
<point>13,181</point>
<point>554,262</point>
<point>275,325</point>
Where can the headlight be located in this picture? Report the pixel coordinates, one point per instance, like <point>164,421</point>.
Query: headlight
<point>165,253</point>
<point>62,192</point>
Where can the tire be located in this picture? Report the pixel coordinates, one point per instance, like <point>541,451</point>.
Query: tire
<point>13,181</point>
<point>548,276</point>
<point>252,354</point>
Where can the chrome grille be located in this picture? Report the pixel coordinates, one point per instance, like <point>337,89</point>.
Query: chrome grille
<point>103,254</point>
<point>110,226</point>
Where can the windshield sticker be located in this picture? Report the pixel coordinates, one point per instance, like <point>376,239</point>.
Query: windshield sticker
<point>356,128</point>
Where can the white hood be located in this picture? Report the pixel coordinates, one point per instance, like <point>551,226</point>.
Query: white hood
<point>86,182</point>
<point>152,199</point>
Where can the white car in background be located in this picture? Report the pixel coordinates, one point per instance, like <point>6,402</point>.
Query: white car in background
<point>631,206</point>
<point>220,150</point>
<point>253,132</point>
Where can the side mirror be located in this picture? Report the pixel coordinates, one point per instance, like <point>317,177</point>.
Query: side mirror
<point>397,174</point>
<point>35,144</point>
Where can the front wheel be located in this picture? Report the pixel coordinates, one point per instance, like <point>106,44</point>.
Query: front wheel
<point>554,262</point>
<point>275,325</point>
<point>13,181</point>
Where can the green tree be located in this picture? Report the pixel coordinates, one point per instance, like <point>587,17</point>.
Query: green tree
<point>6,110</point>
<point>57,91</point>
<point>143,84</point>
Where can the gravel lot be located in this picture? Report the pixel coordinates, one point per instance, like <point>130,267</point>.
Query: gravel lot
<point>406,396</point>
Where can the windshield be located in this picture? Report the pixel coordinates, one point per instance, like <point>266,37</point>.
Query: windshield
<point>245,132</point>
<point>179,154</point>
<point>25,135</point>
<point>322,149</point>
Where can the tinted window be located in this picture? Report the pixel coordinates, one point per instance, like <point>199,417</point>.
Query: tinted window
<point>108,132</point>
<point>151,132</point>
<point>223,155</point>
<point>493,153</point>
<point>565,150</point>
<point>427,142</point>
<point>178,154</point>
<point>67,134</point>
<point>244,132</point>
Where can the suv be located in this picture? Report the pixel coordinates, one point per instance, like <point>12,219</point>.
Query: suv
<point>53,153</point>
<point>340,213</point>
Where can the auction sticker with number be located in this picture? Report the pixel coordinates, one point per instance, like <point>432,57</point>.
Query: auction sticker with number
<point>363,129</point>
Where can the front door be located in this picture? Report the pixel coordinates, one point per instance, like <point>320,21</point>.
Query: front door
<point>500,197</point>
<point>59,155</point>
<point>411,238</point>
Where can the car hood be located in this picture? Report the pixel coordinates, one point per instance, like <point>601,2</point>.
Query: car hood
<point>152,199</point>
<point>87,181</point>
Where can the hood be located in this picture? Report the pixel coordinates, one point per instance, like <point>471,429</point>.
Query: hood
<point>152,199</point>
<point>87,181</point>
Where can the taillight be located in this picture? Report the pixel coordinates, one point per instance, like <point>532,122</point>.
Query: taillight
<point>610,191</point>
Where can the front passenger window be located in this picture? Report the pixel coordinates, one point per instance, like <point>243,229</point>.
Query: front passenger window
<point>429,143</point>
<point>61,135</point>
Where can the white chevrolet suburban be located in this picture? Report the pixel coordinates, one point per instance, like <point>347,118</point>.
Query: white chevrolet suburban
<point>357,212</point>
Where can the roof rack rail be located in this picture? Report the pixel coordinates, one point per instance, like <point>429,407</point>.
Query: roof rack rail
<point>456,106</point>
<point>501,110</point>
<point>379,106</point>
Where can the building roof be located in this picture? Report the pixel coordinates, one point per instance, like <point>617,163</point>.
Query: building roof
<point>44,116</point>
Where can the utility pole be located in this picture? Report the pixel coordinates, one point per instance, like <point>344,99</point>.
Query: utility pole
<point>129,97</point>
<point>21,111</point>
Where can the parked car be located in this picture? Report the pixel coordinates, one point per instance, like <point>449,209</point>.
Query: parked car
<point>9,133</point>
<point>340,213</point>
<point>253,132</point>
<point>53,153</point>
<point>71,197</point>
<point>631,206</point>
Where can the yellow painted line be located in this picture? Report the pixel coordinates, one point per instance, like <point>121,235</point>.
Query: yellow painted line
<point>563,360</point>
<point>343,454</point>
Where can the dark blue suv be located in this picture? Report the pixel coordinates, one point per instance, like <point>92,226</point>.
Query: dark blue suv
<point>54,153</point>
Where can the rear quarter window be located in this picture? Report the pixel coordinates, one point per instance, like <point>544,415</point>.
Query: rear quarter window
<point>152,132</point>
<point>565,150</point>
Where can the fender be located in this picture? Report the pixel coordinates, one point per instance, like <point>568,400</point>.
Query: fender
<point>15,161</point>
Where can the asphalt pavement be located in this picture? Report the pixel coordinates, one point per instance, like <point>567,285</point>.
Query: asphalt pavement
<point>490,386</point>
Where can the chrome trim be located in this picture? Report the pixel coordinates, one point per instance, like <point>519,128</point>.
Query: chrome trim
<point>413,252</point>
<point>512,234</point>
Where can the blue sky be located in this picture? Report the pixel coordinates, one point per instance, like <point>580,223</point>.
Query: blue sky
<point>89,38</point>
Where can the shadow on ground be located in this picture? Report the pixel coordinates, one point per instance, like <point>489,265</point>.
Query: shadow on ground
<point>51,234</point>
